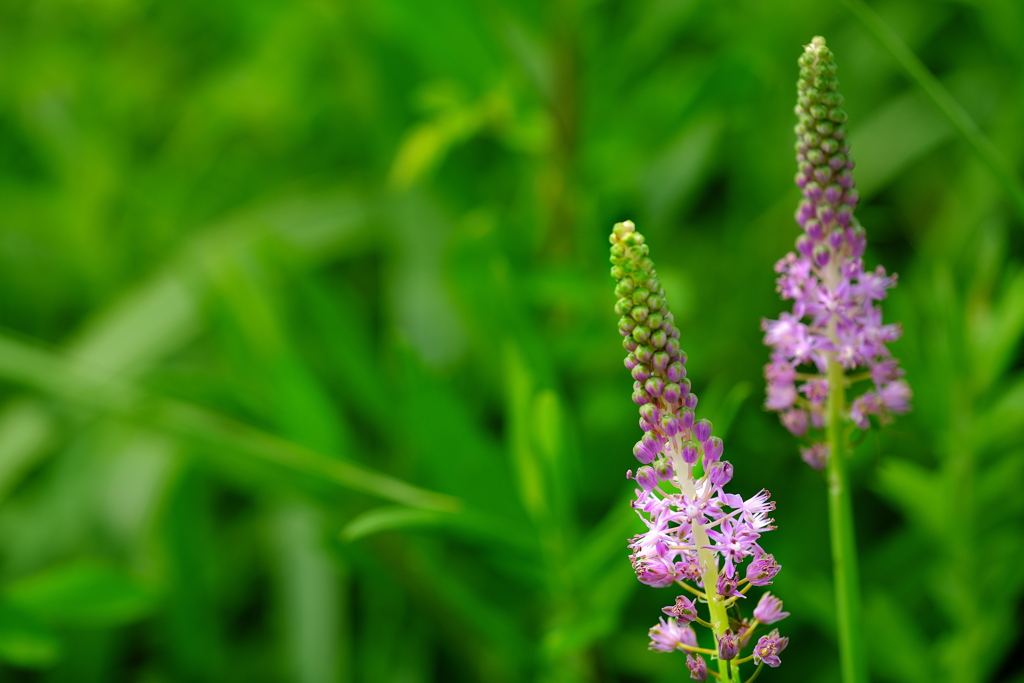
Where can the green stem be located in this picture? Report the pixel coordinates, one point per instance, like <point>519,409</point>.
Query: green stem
<point>718,615</point>
<point>844,546</point>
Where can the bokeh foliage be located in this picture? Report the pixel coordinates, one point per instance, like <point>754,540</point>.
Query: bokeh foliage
<point>307,359</point>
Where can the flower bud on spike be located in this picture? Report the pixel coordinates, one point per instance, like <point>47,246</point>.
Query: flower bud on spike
<point>647,478</point>
<point>702,430</point>
<point>728,646</point>
<point>713,450</point>
<point>670,425</point>
<point>720,473</point>
<point>641,453</point>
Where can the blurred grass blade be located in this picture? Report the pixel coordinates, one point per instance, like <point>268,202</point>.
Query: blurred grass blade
<point>309,589</point>
<point>530,471</point>
<point>884,158</point>
<point>389,519</point>
<point>938,94</point>
<point>84,593</point>
<point>60,377</point>
<point>24,430</point>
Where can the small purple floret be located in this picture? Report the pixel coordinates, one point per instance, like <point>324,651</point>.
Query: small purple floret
<point>697,666</point>
<point>684,609</point>
<point>728,645</point>
<point>667,636</point>
<point>769,609</point>
<point>768,648</point>
<point>762,570</point>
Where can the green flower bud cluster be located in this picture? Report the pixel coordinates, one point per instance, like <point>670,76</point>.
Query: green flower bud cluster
<point>822,151</point>
<point>651,340</point>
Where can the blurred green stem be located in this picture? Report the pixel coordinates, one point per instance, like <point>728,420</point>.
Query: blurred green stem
<point>844,545</point>
<point>950,108</point>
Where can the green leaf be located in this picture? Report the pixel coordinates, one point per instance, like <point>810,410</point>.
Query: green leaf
<point>914,490</point>
<point>896,641</point>
<point>997,334</point>
<point>87,593</point>
<point>531,473</point>
<point>999,426</point>
<point>24,640</point>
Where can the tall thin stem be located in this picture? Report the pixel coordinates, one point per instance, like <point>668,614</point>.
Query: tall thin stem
<point>719,617</point>
<point>841,528</point>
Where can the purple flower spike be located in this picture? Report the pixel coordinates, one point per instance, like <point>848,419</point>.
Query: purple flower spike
<point>768,648</point>
<point>835,316</point>
<point>697,666</point>
<point>696,533</point>
<point>769,609</point>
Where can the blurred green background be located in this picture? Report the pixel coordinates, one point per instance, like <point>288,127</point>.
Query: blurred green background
<point>308,367</point>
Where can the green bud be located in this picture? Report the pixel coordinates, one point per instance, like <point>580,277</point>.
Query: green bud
<point>644,354</point>
<point>832,100</point>
<point>639,313</point>
<point>633,239</point>
<point>625,287</point>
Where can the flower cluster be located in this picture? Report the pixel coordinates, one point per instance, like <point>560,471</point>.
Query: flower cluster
<point>698,536</point>
<point>835,312</point>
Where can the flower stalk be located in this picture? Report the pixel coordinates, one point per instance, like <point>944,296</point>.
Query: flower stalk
<point>699,536</point>
<point>843,538</point>
<point>834,337</point>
